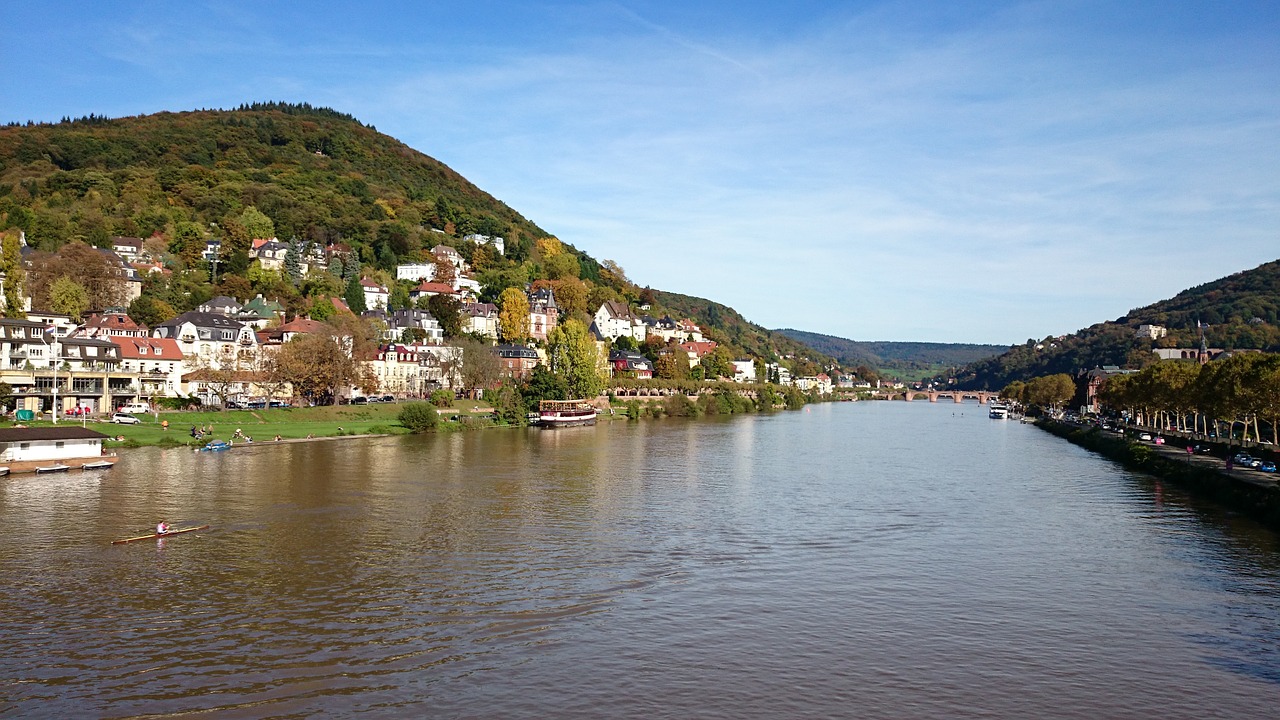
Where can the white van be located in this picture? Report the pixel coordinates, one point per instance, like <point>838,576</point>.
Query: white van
<point>135,408</point>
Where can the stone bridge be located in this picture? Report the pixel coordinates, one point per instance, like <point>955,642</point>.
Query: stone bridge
<point>958,396</point>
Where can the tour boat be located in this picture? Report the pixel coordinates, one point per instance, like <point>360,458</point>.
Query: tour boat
<point>565,413</point>
<point>999,412</point>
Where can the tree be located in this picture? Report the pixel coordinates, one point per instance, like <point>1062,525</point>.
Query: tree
<point>150,312</point>
<point>258,225</point>
<point>324,364</point>
<point>480,367</point>
<point>571,296</point>
<point>561,267</point>
<point>419,417</point>
<point>445,272</point>
<point>542,384</point>
<point>354,295</point>
<point>293,261</point>
<point>671,366</point>
<point>572,355</point>
<point>513,318</point>
<point>717,364</point>
<point>97,272</point>
<point>447,310</point>
<point>15,276</point>
<point>69,298</point>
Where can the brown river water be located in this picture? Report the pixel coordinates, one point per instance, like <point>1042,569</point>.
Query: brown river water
<point>861,560</point>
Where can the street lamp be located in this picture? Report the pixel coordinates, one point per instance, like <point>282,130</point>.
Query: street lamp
<point>53,362</point>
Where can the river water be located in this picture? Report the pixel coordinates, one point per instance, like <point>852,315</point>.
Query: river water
<point>869,560</point>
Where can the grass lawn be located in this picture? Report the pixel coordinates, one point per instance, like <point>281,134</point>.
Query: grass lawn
<point>288,423</point>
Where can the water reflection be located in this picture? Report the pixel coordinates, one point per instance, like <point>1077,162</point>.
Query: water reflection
<point>901,559</point>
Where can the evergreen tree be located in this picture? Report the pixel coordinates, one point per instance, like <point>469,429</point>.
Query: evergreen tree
<point>355,295</point>
<point>293,261</point>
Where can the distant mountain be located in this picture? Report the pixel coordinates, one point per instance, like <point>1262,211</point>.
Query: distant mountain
<point>1241,311</point>
<point>724,324</point>
<point>901,359</point>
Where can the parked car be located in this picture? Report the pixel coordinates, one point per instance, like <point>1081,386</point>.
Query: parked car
<point>77,411</point>
<point>279,404</point>
<point>1268,467</point>
<point>388,398</point>
<point>1202,449</point>
<point>256,404</point>
<point>124,419</point>
<point>233,405</point>
<point>1145,437</point>
<point>359,400</point>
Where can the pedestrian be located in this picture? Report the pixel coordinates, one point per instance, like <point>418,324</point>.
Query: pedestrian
<point>164,425</point>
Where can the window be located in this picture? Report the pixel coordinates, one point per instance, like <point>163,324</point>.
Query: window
<point>59,444</point>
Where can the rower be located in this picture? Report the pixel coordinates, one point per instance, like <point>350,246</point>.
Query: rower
<point>162,528</point>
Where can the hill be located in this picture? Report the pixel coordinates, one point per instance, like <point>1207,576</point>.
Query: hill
<point>302,173</point>
<point>1241,311</point>
<point>906,360</point>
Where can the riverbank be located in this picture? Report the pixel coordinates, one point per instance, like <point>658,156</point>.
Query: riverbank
<point>1245,491</point>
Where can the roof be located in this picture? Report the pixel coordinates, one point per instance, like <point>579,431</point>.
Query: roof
<point>699,348</point>
<point>303,325</point>
<point>436,288</point>
<point>156,348</point>
<point>201,319</point>
<point>516,351</point>
<point>118,321</point>
<point>66,432</point>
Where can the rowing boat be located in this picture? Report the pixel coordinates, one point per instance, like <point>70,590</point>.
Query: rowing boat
<point>157,536</point>
<point>56,467</point>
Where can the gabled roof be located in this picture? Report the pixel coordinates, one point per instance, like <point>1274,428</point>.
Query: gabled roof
<point>112,321</point>
<point>371,285</point>
<point>131,348</point>
<point>201,320</point>
<point>617,310</point>
<point>699,348</point>
<point>303,325</point>
<point>436,288</point>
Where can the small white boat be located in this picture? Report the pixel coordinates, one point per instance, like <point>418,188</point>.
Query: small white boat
<point>97,465</point>
<point>56,467</point>
<point>4,470</point>
<point>998,412</point>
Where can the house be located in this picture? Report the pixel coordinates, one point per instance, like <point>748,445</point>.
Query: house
<point>427,289</point>
<point>416,271</point>
<point>210,340</point>
<point>111,323</point>
<point>481,319</point>
<point>128,284</point>
<point>498,243</point>
<point>412,318</point>
<point>517,360</point>
<point>273,337</point>
<point>25,449</point>
<point>222,305</point>
<point>129,248</point>
<point>614,320</point>
<point>449,255</point>
<point>744,371</point>
<point>375,296</point>
<point>543,313</point>
<point>269,253</point>
<point>158,362</point>
<point>697,350</point>
<point>261,312</point>
<point>629,364</point>
<point>415,370</point>
<point>1151,332</point>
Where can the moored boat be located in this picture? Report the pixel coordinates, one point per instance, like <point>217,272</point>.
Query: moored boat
<point>98,465</point>
<point>565,413</point>
<point>998,412</point>
<point>215,446</point>
<point>56,467</point>
<point>157,536</point>
<point>4,470</point>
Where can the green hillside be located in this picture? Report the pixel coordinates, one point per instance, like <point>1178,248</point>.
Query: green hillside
<point>908,360</point>
<point>301,173</point>
<point>1241,312</point>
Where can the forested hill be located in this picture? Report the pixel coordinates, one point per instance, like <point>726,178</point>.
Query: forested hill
<point>723,324</point>
<point>318,174</point>
<point>1240,311</point>
<point>303,174</point>
<point>895,358</point>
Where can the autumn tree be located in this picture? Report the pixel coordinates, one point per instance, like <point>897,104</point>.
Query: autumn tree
<point>323,364</point>
<point>480,367</point>
<point>257,224</point>
<point>99,273</point>
<point>573,357</point>
<point>513,318</point>
<point>69,298</point>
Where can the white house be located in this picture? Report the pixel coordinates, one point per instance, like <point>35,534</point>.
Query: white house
<point>416,271</point>
<point>375,296</point>
<point>210,340</point>
<point>744,371</point>
<point>615,319</point>
<point>157,361</point>
<point>49,445</point>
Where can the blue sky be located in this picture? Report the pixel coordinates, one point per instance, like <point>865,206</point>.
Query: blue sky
<point>949,172</point>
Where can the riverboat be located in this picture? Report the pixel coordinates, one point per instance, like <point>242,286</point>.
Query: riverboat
<point>565,413</point>
<point>157,536</point>
<point>998,412</point>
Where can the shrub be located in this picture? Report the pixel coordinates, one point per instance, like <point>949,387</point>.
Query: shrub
<point>679,405</point>
<point>419,417</point>
<point>442,398</point>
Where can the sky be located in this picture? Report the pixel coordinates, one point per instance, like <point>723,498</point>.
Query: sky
<point>979,172</point>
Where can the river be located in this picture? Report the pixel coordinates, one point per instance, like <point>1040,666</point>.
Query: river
<point>869,560</point>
